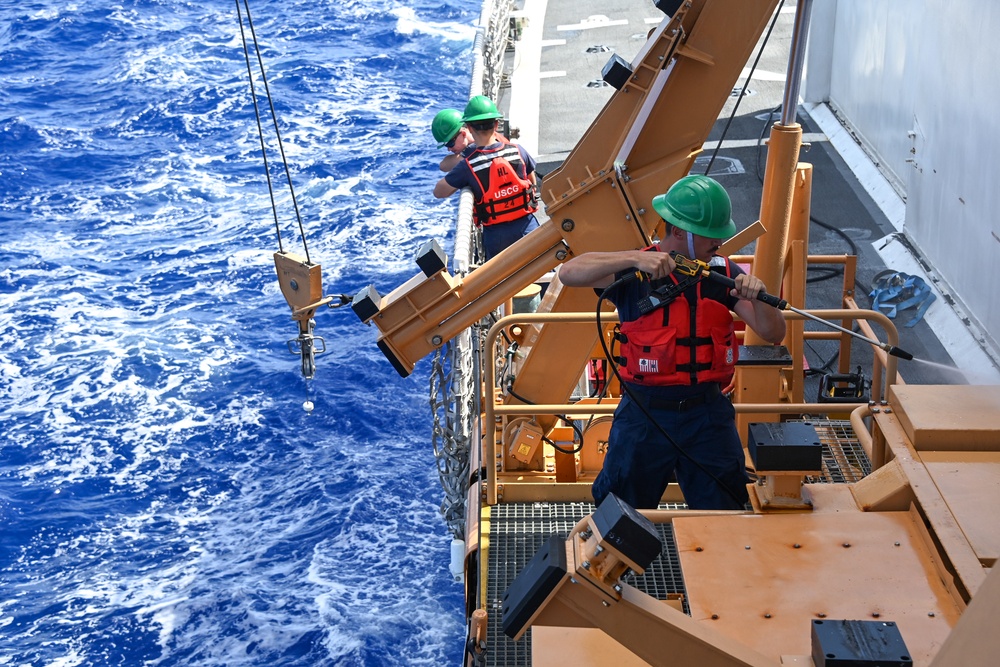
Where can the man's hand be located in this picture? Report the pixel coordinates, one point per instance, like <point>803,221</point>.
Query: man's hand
<point>598,269</point>
<point>747,287</point>
<point>656,264</point>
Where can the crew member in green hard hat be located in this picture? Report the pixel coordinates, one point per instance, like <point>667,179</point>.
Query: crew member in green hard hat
<point>450,133</point>
<point>676,355</point>
<point>502,178</point>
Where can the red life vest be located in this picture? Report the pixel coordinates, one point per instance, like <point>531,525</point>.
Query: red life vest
<point>684,343</point>
<point>501,175</point>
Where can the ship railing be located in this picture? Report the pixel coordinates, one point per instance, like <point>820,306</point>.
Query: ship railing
<point>454,396</point>
<point>884,367</point>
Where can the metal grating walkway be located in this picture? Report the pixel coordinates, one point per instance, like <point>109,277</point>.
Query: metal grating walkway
<point>517,531</point>
<point>844,459</point>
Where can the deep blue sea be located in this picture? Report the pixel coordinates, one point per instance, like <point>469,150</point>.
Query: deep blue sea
<point>165,498</point>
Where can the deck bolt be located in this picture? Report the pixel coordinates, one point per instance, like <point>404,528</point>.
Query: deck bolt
<point>821,615</point>
<point>797,545</point>
<point>767,616</point>
<point>875,614</point>
<point>747,547</point>
<point>436,340</point>
<point>887,411</point>
<point>568,225</point>
<point>699,549</point>
<point>605,603</point>
<point>560,255</point>
<point>847,545</point>
<point>598,549</point>
<point>896,544</point>
<point>618,588</point>
<point>586,565</point>
<point>715,617</point>
<point>931,614</point>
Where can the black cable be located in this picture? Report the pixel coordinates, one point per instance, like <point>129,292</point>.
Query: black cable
<point>760,142</point>
<point>743,90</point>
<point>274,119</point>
<point>829,272</point>
<point>260,129</point>
<point>572,423</point>
<point>642,408</point>
<point>818,370</point>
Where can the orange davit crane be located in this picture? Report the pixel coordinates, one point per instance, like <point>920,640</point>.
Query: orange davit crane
<point>906,551</point>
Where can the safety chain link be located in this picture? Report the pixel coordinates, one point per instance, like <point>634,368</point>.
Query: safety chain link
<point>450,370</point>
<point>454,384</point>
<point>496,30</point>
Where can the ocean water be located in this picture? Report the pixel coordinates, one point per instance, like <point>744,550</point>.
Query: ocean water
<point>165,499</point>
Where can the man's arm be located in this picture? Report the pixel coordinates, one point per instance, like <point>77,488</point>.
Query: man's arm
<point>598,269</point>
<point>443,189</point>
<point>766,320</point>
<point>449,161</point>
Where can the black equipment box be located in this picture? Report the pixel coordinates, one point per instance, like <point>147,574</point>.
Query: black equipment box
<point>533,585</point>
<point>785,446</point>
<point>616,72</point>
<point>630,533</point>
<point>858,644</point>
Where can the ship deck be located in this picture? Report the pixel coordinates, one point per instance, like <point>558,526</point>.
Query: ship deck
<point>518,530</point>
<point>556,90</point>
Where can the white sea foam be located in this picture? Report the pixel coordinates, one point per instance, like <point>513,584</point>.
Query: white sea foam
<point>409,23</point>
<point>166,492</point>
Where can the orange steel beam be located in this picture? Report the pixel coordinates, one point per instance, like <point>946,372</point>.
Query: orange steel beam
<point>776,209</point>
<point>647,137</point>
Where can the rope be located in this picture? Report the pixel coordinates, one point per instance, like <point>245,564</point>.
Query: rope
<point>894,291</point>
<point>743,90</point>
<point>260,129</point>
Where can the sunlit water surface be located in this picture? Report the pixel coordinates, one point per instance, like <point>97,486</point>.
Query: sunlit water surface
<point>164,497</point>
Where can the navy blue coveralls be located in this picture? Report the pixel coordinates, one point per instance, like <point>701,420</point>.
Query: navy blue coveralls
<point>640,462</point>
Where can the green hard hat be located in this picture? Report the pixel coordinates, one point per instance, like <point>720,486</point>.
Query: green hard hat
<point>446,125</point>
<point>480,107</point>
<point>697,204</point>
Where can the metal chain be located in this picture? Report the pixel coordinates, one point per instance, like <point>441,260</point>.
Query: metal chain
<point>454,398</point>
<point>497,33</point>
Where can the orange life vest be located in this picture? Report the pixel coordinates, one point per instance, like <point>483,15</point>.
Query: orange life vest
<point>691,340</point>
<point>501,175</point>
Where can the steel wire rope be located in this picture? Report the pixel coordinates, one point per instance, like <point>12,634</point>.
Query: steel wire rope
<point>274,120</point>
<point>827,273</point>
<point>760,52</point>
